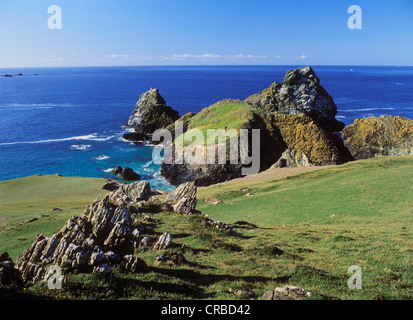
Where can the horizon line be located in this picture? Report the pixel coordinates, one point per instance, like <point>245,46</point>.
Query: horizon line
<point>214,65</point>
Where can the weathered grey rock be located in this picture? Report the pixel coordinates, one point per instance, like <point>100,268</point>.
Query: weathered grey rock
<point>154,200</point>
<point>217,224</point>
<point>102,234</point>
<point>300,93</point>
<point>292,158</point>
<point>144,243</point>
<point>286,293</point>
<point>134,264</point>
<point>183,199</point>
<point>151,113</point>
<point>164,242</point>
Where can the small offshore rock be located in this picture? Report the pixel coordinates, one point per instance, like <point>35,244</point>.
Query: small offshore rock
<point>135,136</point>
<point>126,174</point>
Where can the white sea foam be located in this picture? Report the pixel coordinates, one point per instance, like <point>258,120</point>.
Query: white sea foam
<point>101,158</point>
<point>91,137</point>
<point>80,147</point>
<point>26,106</point>
<point>147,164</point>
<point>108,170</point>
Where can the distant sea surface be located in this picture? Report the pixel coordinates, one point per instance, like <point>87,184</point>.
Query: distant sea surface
<point>70,120</point>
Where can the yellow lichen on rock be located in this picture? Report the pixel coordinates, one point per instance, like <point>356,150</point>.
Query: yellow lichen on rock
<point>308,143</point>
<point>379,136</point>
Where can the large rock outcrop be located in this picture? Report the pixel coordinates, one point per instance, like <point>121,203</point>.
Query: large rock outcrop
<point>300,93</point>
<point>297,125</point>
<point>151,113</point>
<point>224,115</point>
<point>286,140</point>
<point>107,234</point>
<point>307,144</point>
<point>102,236</point>
<point>379,136</point>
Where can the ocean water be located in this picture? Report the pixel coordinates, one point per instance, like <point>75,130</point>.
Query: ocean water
<point>70,120</point>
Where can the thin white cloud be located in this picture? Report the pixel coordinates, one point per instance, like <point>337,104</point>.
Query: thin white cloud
<point>211,56</point>
<point>303,57</point>
<point>188,58</point>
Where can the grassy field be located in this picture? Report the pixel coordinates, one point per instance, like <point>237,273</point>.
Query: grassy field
<point>304,230</point>
<point>41,204</point>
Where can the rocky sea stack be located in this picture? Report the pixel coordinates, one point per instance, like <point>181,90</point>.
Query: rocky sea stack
<point>300,93</point>
<point>297,123</point>
<point>151,113</point>
<point>297,126</point>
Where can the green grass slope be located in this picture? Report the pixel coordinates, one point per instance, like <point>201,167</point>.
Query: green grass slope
<point>323,222</point>
<point>41,204</point>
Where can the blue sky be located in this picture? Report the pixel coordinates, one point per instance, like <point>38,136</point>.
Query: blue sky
<point>205,32</point>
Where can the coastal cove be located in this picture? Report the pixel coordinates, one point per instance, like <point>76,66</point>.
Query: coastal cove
<point>71,120</point>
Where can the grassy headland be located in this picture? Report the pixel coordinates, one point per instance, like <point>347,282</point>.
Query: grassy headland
<point>304,230</point>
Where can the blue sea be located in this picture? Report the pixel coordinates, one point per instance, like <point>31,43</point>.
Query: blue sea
<point>70,120</point>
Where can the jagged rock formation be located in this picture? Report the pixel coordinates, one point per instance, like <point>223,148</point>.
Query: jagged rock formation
<point>183,199</point>
<point>379,136</point>
<point>103,234</point>
<point>151,113</point>
<point>107,234</point>
<point>300,93</point>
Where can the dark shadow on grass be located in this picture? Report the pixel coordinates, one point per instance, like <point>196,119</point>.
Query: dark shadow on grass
<point>10,294</point>
<point>209,279</point>
<point>133,285</point>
